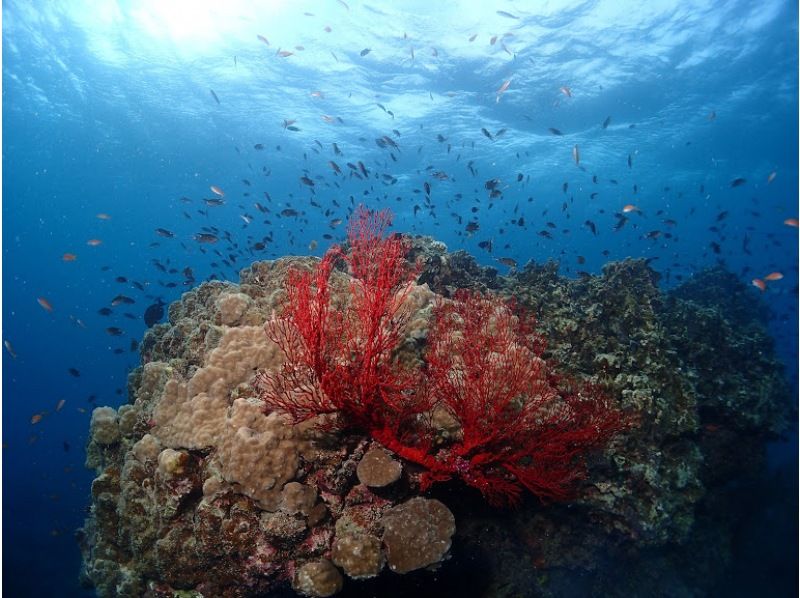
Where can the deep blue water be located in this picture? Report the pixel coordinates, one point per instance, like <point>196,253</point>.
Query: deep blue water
<point>107,109</point>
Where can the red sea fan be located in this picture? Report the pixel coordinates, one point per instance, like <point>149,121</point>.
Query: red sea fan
<point>340,359</point>
<point>518,428</point>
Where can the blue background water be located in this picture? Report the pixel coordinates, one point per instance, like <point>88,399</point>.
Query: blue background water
<point>107,109</point>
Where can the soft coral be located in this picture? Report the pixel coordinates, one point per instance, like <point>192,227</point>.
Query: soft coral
<point>518,427</point>
<point>341,358</point>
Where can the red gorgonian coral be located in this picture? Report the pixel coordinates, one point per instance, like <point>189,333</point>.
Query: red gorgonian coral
<point>340,358</point>
<point>518,428</point>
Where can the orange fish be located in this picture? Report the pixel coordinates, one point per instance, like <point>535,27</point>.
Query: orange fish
<point>630,208</point>
<point>771,177</point>
<point>773,276</point>
<point>566,91</point>
<point>103,216</point>
<point>94,242</point>
<point>760,284</point>
<point>791,222</point>
<point>36,418</point>
<point>45,304</point>
<point>69,257</point>
<point>217,190</point>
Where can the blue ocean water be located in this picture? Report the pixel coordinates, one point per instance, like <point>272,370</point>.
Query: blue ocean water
<point>133,110</point>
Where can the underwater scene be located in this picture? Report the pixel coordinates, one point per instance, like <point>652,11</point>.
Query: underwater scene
<point>387,299</point>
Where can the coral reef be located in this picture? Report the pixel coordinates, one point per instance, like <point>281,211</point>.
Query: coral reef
<point>199,492</point>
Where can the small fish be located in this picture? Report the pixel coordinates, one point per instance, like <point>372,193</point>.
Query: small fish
<point>487,133</point>
<point>152,315</point>
<point>793,222</point>
<point>60,405</point>
<point>508,261</point>
<point>94,242</point>
<point>263,39</point>
<point>327,29</point>
<point>566,91</point>
<point>472,37</point>
<point>555,131</point>
<point>103,216</point>
<point>759,284</point>
<point>36,418</point>
<point>630,161</point>
<point>214,202</point>
<point>630,208</point>
<point>502,89</point>
<point>69,257</point>
<point>306,181</point>
<point>206,238</point>
<point>114,331</point>
<point>738,182</point>
<point>45,304</point>
<point>365,51</point>
<point>74,372</point>
<point>508,15</point>
<point>120,299</point>
<point>259,146</point>
<point>10,349</point>
<point>606,122</point>
<point>284,53</point>
<point>213,95</point>
<point>576,154</point>
<point>290,213</point>
<point>163,232</point>
<point>773,276</point>
<point>771,177</point>
<point>217,191</point>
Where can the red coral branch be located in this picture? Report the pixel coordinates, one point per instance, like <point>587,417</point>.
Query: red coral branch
<point>518,427</point>
<point>340,359</point>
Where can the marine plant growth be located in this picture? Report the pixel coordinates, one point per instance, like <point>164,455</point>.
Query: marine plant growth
<point>518,425</point>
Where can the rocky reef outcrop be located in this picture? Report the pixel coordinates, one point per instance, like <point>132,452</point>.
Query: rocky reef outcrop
<point>199,492</point>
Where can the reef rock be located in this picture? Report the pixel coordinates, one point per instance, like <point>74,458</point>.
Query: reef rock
<point>199,492</point>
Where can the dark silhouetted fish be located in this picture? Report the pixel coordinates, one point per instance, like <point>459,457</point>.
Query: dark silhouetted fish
<point>154,313</point>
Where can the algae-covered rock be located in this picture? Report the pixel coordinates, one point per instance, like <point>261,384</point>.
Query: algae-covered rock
<point>377,469</point>
<point>318,579</point>
<point>417,534</point>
